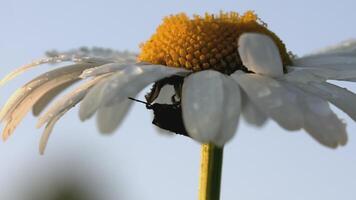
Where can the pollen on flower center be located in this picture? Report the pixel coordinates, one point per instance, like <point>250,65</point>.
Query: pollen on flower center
<point>208,42</point>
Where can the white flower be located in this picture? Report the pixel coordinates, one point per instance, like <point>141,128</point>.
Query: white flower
<point>211,101</point>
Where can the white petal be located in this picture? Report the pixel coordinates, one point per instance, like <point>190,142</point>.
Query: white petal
<point>130,81</point>
<point>43,102</point>
<point>337,62</point>
<point>340,97</point>
<point>96,54</point>
<point>303,75</point>
<point>84,55</point>
<point>59,109</point>
<point>110,117</point>
<point>210,106</point>
<point>329,67</point>
<point>260,54</point>
<point>345,48</point>
<point>47,132</point>
<point>68,73</point>
<point>23,100</point>
<point>344,73</point>
<point>68,101</point>
<point>327,61</point>
<point>93,99</point>
<point>104,69</point>
<point>324,125</point>
<point>272,98</point>
<point>24,68</point>
<point>123,84</point>
<point>231,112</point>
<point>319,120</point>
<point>251,113</point>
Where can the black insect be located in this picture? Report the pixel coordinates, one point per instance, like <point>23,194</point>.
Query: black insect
<point>167,116</point>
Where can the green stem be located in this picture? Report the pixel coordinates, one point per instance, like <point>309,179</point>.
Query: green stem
<point>210,174</point>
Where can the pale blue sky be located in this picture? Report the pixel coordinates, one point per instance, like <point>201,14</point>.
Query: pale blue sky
<point>267,163</point>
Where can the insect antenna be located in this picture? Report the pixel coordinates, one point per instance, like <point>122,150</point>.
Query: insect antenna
<point>139,101</point>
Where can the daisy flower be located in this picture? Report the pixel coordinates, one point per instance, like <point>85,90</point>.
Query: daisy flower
<point>207,71</point>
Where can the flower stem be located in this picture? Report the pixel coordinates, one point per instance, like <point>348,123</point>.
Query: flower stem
<point>210,174</point>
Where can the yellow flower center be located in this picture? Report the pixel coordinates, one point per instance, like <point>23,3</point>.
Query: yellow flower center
<point>208,42</point>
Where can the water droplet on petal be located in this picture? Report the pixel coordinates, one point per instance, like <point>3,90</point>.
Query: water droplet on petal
<point>264,93</point>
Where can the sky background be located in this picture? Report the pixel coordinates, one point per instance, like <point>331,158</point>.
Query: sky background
<point>137,162</point>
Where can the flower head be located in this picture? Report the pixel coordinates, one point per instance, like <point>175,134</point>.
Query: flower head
<point>207,71</point>
<point>201,43</point>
